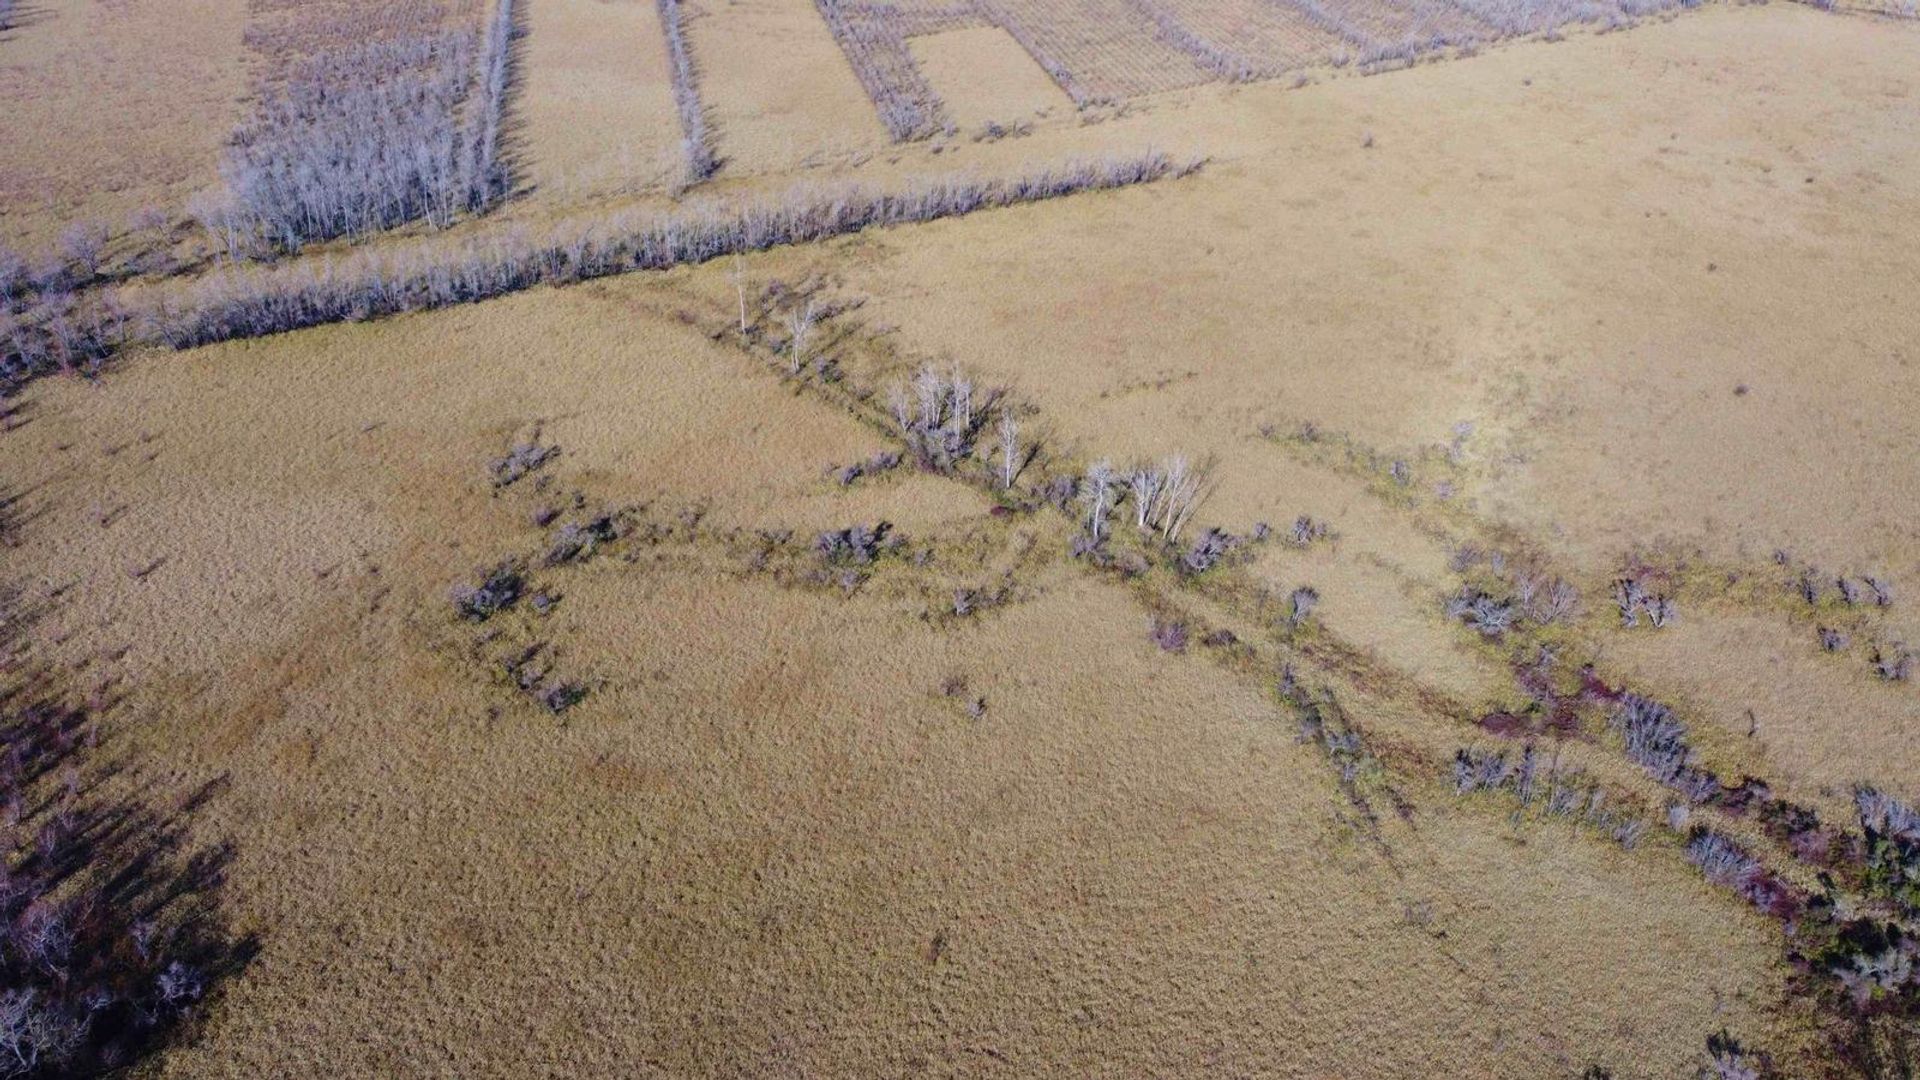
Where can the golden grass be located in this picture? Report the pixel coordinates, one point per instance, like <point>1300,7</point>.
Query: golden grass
<point>113,107</point>
<point>772,842</point>
<point>596,104</point>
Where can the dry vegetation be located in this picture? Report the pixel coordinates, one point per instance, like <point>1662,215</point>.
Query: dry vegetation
<point>369,116</point>
<point>1010,602</point>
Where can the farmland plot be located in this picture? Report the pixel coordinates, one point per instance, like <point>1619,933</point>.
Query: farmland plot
<point>1266,36</point>
<point>1100,52</point>
<point>108,108</point>
<point>597,102</point>
<point>776,88</point>
<point>984,77</point>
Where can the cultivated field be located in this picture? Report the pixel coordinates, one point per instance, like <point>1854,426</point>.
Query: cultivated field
<point>1311,538</point>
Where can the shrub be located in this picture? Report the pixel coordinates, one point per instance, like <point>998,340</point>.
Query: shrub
<point>1545,600</point>
<point>1882,591</point>
<point>82,245</point>
<point>1728,865</point>
<point>558,697</point>
<point>1893,663</point>
<point>1809,589</point>
<point>1633,599</point>
<point>854,545</point>
<point>1628,832</point>
<point>1657,741</point>
<point>1207,552</point>
<point>1300,605</point>
<point>1892,830</point>
<point>1722,861</point>
<point>1727,1060</point>
<point>499,589</point>
<point>519,461</point>
<point>1872,975</point>
<point>1170,635</point>
<point>1492,617</point>
<point>1851,592</point>
<point>1306,531</point>
<point>1480,770</point>
<point>881,462</point>
<point>577,541</point>
<point>14,276</point>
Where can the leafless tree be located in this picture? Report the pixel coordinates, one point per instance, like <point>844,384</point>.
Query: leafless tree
<point>1009,448</point>
<point>799,325</point>
<point>739,278</point>
<point>382,118</point>
<point>82,245</point>
<point>1096,494</point>
<point>1225,63</point>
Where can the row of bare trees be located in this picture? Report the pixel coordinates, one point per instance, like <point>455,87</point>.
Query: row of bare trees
<point>698,160</point>
<point>1224,63</point>
<point>367,283</point>
<point>239,302</point>
<point>1056,69</point>
<point>875,45</point>
<point>359,134</point>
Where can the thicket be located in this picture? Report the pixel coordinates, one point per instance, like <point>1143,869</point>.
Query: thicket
<point>356,133</point>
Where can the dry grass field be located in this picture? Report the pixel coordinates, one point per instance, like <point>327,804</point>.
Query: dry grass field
<point>1286,538</point>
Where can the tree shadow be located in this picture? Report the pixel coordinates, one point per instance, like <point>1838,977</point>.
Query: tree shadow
<point>511,148</point>
<point>21,16</point>
<point>113,934</point>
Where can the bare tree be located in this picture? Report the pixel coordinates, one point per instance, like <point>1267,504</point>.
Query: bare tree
<point>1145,484</point>
<point>1009,448</point>
<point>369,120</point>
<point>82,245</point>
<point>739,278</point>
<point>799,325</point>
<point>1097,495</point>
